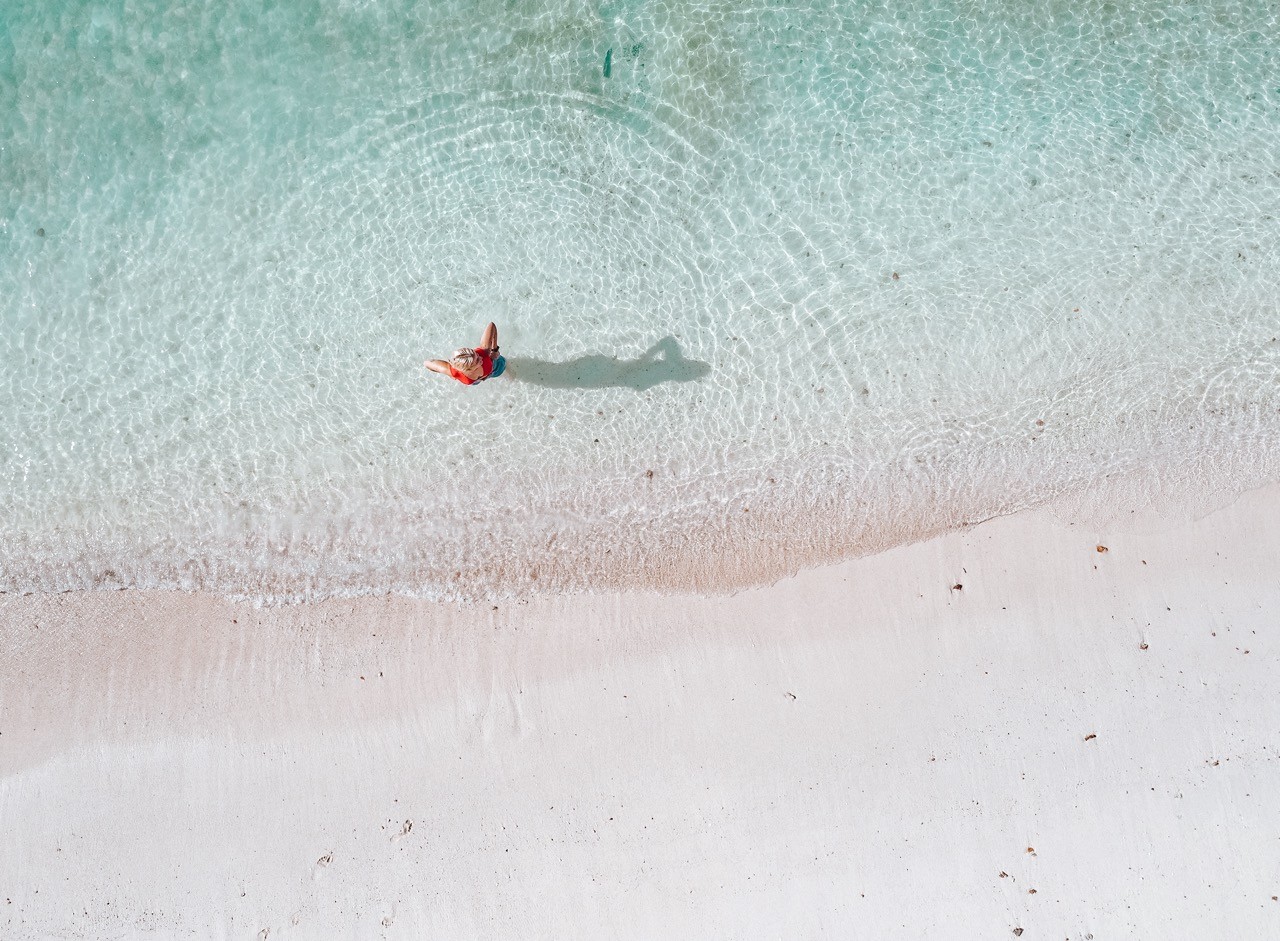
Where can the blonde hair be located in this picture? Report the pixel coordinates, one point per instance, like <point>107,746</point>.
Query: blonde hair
<point>464,358</point>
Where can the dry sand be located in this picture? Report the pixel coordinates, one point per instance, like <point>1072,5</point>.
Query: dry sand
<point>1077,744</point>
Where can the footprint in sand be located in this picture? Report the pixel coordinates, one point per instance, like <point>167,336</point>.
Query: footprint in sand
<point>404,832</point>
<point>321,863</point>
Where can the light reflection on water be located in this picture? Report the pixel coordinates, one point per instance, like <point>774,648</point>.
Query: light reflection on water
<point>789,283</point>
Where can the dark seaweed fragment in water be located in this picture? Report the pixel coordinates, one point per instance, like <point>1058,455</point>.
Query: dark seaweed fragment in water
<point>608,62</point>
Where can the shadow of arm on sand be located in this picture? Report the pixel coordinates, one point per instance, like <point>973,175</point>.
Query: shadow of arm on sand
<point>662,362</point>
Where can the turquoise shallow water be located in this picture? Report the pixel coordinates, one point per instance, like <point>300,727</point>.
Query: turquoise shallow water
<point>790,282</point>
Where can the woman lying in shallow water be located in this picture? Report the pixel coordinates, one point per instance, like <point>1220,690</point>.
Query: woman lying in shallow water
<point>470,366</point>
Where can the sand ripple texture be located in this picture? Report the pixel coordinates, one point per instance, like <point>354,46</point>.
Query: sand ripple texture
<point>777,283</point>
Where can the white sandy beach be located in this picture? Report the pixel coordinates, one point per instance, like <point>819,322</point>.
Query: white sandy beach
<point>1074,744</point>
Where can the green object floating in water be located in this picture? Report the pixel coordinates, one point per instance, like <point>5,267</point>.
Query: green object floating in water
<point>608,63</point>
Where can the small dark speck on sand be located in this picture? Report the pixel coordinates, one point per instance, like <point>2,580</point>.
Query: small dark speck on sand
<point>1017,932</point>
<point>40,232</point>
<point>1102,549</point>
<point>957,587</point>
<point>1090,737</point>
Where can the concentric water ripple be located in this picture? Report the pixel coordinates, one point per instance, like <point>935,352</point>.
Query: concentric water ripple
<point>789,282</point>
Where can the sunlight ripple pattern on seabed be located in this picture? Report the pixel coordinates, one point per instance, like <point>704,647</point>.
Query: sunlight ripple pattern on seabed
<point>790,282</point>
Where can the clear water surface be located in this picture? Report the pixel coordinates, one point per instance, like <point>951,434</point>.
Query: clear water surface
<point>777,282</point>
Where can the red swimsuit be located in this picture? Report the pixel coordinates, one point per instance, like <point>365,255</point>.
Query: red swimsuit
<point>486,368</point>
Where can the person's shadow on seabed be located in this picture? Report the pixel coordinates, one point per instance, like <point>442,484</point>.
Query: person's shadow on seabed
<point>661,362</point>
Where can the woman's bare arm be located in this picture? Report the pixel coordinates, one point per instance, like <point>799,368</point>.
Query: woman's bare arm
<point>489,339</point>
